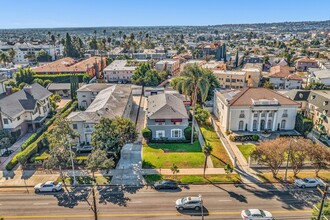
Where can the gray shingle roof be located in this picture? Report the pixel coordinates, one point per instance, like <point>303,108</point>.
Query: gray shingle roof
<point>166,106</point>
<point>109,103</point>
<point>15,104</point>
<point>94,87</point>
<point>321,99</point>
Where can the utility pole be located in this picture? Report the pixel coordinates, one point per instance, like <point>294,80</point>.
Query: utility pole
<point>94,204</point>
<point>324,195</point>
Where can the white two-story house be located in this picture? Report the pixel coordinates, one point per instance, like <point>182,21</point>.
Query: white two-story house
<point>25,109</point>
<point>112,101</point>
<point>254,110</point>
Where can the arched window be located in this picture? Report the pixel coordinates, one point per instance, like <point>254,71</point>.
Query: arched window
<point>240,125</point>
<point>255,122</point>
<point>283,124</point>
<point>269,124</point>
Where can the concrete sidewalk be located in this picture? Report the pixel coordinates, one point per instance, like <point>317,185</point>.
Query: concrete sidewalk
<point>32,177</point>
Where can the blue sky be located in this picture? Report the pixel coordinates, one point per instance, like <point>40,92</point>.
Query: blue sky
<point>91,13</point>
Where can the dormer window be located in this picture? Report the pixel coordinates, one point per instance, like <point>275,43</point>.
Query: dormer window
<point>325,103</point>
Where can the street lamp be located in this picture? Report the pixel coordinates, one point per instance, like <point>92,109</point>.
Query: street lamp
<point>287,161</point>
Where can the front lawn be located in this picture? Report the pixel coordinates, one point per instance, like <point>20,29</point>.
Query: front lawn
<point>187,179</point>
<point>268,177</point>
<point>184,155</point>
<point>246,149</point>
<point>219,154</point>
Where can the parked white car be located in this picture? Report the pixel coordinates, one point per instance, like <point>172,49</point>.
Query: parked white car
<point>256,214</point>
<point>49,186</point>
<point>308,182</point>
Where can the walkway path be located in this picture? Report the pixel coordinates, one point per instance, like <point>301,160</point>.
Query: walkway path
<point>240,164</point>
<point>129,167</point>
<point>16,147</point>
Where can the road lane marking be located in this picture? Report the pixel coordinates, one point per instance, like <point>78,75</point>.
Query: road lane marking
<point>141,214</point>
<point>41,203</point>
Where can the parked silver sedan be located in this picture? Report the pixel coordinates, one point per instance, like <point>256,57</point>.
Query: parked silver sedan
<point>49,186</point>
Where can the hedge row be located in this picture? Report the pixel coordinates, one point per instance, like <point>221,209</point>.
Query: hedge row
<point>40,141</point>
<point>44,128</point>
<point>59,78</point>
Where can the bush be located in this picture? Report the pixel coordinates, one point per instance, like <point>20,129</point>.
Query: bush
<point>40,141</point>
<point>202,115</point>
<point>303,125</point>
<point>242,138</point>
<point>187,133</point>
<point>147,134</point>
<point>227,132</point>
<point>59,78</point>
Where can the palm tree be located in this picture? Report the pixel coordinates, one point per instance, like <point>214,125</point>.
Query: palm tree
<point>4,58</point>
<point>11,53</point>
<point>207,150</point>
<point>194,82</point>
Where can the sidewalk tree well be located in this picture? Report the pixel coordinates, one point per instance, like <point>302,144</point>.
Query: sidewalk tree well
<point>98,160</point>
<point>112,134</point>
<point>174,169</point>
<point>272,153</point>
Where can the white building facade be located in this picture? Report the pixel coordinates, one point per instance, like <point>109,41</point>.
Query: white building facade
<point>254,110</point>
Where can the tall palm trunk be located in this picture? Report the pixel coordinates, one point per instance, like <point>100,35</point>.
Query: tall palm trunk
<point>193,119</point>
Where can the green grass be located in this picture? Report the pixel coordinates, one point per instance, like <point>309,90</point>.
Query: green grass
<point>246,149</point>
<point>185,179</point>
<point>219,154</point>
<point>183,155</point>
<point>101,180</point>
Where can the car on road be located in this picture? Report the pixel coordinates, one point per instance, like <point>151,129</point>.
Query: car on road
<point>166,184</point>
<point>308,182</point>
<point>189,203</point>
<point>49,186</point>
<point>7,153</point>
<point>256,214</point>
<point>84,149</point>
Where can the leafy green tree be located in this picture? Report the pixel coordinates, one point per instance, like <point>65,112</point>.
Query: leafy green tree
<point>69,49</point>
<point>54,99</point>
<point>268,85</point>
<point>202,115</point>
<point>43,56</point>
<point>37,80</point>
<point>98,160</point>
<point>194,83</point>
<point>6,139</point>
<point>112,134</point>
<point>145,75</point>
<point>46,83</point>
<point>213,83</point>
<point>74,86</point>
<point>61,139</point>
<point>11,53</point>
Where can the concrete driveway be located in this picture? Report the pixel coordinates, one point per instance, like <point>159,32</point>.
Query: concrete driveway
<point>129,167</point>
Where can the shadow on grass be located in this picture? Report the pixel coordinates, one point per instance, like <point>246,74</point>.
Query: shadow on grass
<point>223,162</point>
<point>147,165</point>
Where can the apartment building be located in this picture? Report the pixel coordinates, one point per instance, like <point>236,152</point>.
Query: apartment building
<point>231,79</point>
<point>172,66</point>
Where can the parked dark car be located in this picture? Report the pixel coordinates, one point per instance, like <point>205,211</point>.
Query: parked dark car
<point>7,153</point>
<point>166,184</point>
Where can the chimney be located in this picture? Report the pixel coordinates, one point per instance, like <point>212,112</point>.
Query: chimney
<point>9,90</point>
<point>28,89</point>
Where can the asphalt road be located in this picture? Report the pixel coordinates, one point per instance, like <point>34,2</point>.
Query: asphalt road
<point>220,202</point>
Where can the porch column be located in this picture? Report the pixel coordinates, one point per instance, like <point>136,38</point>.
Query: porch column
<point>274,121</point>
<point>266,122</point>
<point>259,118</point>
<point>251,124</point>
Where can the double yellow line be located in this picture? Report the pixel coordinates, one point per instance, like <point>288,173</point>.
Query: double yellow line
<point>136,214</point>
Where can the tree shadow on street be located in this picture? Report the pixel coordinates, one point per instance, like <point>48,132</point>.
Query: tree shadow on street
<point>72,197</point>
<point>238,197</point>
<point>116,194</point>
